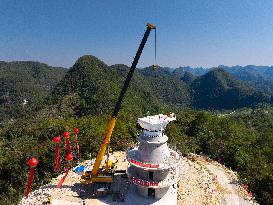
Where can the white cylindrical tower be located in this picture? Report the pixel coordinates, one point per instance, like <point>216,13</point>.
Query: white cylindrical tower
<point>153,166</point>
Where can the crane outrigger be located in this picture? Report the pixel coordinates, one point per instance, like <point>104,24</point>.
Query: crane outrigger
<point>105,175</point>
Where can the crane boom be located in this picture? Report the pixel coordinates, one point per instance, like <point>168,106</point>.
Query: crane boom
<point>112,122</point>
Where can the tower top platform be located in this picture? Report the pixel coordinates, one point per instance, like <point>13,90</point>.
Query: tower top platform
<point>156,122</point>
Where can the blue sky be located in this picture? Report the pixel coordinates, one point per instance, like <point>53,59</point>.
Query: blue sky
<point>194,32</point>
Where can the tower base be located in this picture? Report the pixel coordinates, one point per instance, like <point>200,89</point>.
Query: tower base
<point>134,198</point>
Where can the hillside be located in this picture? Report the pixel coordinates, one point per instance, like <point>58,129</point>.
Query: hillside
<point>218,89</point>
<point>85,97</point>
<point>168,88</point>
<point>261,77</point>
<point>188,78</point>
<point>91,87</point>
<point>181,88</point>
<point>24,83</point>
<point>195,71</point>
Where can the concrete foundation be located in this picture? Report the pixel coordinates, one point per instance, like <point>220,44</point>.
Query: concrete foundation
<point>152,192</point>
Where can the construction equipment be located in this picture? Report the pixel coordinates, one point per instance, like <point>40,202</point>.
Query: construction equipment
<point>105,174</point>
<point>155,66</point>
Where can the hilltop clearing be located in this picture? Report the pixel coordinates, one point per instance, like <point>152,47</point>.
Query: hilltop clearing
<point>203,182</point>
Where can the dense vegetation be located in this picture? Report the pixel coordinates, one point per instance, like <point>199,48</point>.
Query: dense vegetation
<point>218,89</point>
<point>24,83</point>
<point>243,141</point>
<point>85,98</point>
<point>258,76</point>
<point>207,91</point>
<point>168,88</point>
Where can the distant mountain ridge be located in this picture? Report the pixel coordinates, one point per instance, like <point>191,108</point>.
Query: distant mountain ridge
<point>218,89</point>
<point>260,77</point>
<point>265,71</point>
<point>91,87</point>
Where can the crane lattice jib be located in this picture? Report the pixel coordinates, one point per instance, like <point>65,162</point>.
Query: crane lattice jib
<point>112,122</point>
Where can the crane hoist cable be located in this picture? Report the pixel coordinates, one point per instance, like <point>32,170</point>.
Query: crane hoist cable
<point>155,46</point>
<point>154,66</point>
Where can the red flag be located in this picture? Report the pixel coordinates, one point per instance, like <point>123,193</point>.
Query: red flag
<point>69,157</point>
<point>76,130</point>
<point>67,143</point>
<point>62,180</point>
<point>56,140</point>
<point>30,179</point>
<point>32,163</point>
<point>57,154</point>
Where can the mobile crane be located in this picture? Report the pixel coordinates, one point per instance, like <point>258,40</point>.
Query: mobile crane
<point>105,174</point>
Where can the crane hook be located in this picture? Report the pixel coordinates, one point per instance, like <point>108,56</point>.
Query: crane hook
<point>154,66</point>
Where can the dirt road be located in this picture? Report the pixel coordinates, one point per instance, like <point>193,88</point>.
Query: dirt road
<point>226,183</point>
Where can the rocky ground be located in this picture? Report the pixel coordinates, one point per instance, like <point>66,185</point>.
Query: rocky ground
<point>203,181</point>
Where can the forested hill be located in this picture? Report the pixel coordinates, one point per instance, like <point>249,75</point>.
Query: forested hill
<point>23,83</point>
<point>91,87</point>
<point>169,88</point>
<point>30,81</point>
<point>216,89</point>
<point>220,90</point>
<point>85,96</point>
<point>260,77</point>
